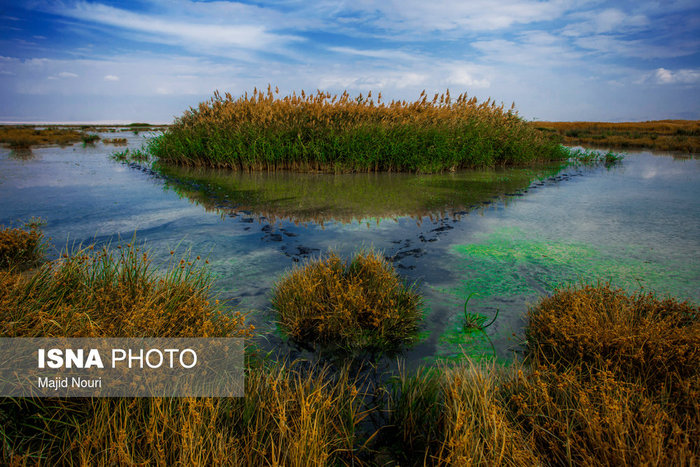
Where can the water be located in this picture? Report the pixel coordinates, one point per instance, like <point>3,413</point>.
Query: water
<point>511,236</point>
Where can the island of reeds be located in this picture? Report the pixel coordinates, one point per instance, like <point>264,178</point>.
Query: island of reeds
<point>340,133</point>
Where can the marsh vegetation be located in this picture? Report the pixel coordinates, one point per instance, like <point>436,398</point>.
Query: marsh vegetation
<point>340,133</point>
<point>608,377</point>
<point>661,135</point>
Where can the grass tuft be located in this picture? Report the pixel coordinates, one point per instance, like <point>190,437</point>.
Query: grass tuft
<point>361,303</point>
<point>21,248</point>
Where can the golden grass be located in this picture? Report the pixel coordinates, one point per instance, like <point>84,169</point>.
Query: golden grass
<point>289,416</point>
<point>360,303</point>
<point>18,137</point>
<point>107,293</point>
<point>612,379</point>
<point>662,135</point>
<point>21,248</point>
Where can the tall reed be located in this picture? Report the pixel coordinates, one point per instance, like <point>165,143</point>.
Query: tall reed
<point>320,132</point>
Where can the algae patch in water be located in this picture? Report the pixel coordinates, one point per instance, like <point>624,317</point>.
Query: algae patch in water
<point>510,269</point>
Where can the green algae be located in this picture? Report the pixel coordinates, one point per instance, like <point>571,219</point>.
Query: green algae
<point>511,269</point>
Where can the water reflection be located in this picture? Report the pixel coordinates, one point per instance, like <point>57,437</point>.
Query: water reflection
<point>319,198</point>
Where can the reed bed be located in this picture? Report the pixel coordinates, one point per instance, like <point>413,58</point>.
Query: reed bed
<point>661,135</point>
<point>340,133</point>
<point>355,304</point>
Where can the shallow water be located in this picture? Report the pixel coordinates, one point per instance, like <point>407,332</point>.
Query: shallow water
<point>511,236</point>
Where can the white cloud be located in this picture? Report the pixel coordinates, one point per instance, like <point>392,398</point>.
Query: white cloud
<point>190,33</point>
<point>610,20</point>
<point>475,15</point>
<point>611,45</point>
<point>665,76</point>
<point>384,54</point>
<point>464,75</point>
<point>111,78</point>
<point>67,74</point>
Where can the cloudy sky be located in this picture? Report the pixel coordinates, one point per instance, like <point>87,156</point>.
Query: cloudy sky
<point>68,61</point>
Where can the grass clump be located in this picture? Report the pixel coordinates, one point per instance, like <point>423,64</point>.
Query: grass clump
<point>611,379</point>
<point>115,141</point>
<point>291,414</point>
<point>90,138</point>
<point>320,132</point>
<point>113,293</point>
<point>24,137</point>
<point>21,248</point>
<point>360,303</point>
<point>129,156</point>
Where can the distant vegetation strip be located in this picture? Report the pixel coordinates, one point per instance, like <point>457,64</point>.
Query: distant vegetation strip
<point>340,133</point>
<point>23,137</point>
<point>662,135</point>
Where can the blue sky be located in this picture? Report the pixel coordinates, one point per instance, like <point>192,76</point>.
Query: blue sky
<point>69,61</point>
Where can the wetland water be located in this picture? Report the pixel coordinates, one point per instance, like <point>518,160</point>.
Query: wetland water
<point>509,235</point>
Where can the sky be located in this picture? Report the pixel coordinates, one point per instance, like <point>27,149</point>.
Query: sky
<point>121,62</point>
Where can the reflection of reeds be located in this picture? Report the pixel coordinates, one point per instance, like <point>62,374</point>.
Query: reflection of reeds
<point>662,135</point>
<point>322,198</point>
<point>360,303</point>
<point>340,133</point>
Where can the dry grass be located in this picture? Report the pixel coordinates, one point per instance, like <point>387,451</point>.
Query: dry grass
<point>22,137</point>
<point>21,248</point>
<point>320,132</point>
<point>290,415</point>
<point>613,379</point>
<point>662,135</point>
<point>109,293</point>
<point>361,303</point>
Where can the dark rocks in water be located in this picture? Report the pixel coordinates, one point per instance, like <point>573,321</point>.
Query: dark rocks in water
<point>415,252</point>
<point>275,237</point>
<point>442,228</point>
<point>305,251</point>
<point>247,220</point>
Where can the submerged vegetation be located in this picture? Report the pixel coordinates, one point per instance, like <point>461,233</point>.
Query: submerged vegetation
<point>360,303</point>
<point>662,135</point>
<point>320,132</point>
